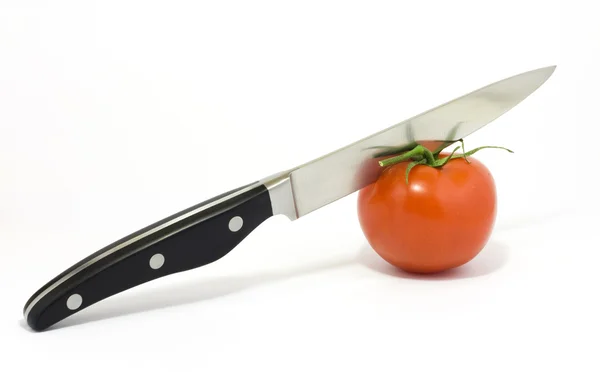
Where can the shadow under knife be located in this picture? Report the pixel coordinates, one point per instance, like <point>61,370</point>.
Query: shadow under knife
<point>492,258</point>
<point>188,293</point>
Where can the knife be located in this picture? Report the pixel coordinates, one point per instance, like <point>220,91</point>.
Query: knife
<point>206,232</point>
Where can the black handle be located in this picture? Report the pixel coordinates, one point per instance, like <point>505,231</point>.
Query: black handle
<point>189,239</point>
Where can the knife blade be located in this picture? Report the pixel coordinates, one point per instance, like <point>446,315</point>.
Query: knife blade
<point>206,232</point>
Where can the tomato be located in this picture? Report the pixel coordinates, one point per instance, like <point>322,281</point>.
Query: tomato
<point>441,219</point>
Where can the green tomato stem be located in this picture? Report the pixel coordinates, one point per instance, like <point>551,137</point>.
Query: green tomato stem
<point>420,155</point>
<point>485,147</point>
<point>419,150</point>
<point>438,163</point>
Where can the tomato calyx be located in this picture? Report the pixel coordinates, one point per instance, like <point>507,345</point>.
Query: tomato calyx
<point>421,155</point>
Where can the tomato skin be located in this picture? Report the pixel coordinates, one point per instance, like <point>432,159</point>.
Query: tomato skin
<point>438,221</point>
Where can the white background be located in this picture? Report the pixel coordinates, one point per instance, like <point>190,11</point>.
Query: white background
<point>114,114</point>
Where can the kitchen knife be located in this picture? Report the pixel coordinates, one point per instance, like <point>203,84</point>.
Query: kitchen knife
<point>208,231</point>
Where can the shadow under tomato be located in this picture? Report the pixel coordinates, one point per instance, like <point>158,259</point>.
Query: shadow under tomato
<point>492,258</point>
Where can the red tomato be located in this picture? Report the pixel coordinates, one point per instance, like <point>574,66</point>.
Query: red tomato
<point>440,220</point>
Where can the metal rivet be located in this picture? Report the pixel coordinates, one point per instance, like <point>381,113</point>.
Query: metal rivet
<point>74,301</point>
<point>157,261</point>
<point>236,223</point>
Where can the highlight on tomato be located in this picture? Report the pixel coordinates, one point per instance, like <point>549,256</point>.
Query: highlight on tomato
<point>429,211</point>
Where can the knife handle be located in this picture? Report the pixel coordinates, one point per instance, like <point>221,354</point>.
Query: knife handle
<point>189,239</point>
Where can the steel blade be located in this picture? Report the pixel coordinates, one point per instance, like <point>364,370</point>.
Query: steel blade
<point>340,173</point>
